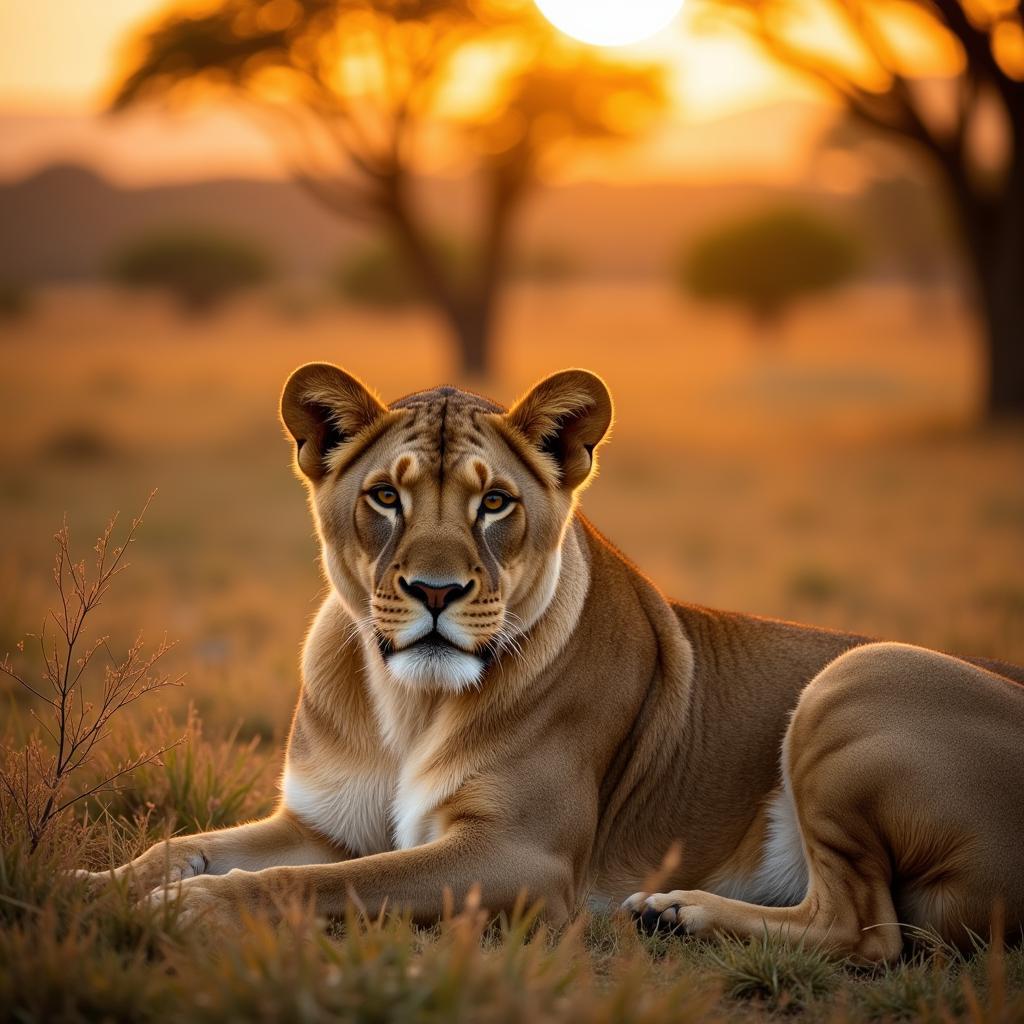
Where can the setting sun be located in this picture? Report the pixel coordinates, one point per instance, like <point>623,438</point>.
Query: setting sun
<point>610,22</point>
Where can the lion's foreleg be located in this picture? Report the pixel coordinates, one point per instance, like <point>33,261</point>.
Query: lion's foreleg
<point>418,882</point>
<point>277,840</point>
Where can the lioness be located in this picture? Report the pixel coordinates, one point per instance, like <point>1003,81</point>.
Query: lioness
<point>493,695</point>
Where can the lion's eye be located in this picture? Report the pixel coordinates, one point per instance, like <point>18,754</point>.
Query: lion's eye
<point>386,497</point>
<point>495,501</point>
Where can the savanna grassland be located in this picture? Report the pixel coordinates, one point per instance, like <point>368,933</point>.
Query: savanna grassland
<point>829,471</point>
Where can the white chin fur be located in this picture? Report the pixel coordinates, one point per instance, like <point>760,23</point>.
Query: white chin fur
<point>436,668</point>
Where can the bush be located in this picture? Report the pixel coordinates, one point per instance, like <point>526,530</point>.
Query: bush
<point>15,301</point>
<point>765,262</point>
<point>547,265</point>
<point>78,443</point>
<point>379,274</point>
<point>200,268</point>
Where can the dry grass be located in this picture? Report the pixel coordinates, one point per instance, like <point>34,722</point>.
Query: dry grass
<point>835,479</point>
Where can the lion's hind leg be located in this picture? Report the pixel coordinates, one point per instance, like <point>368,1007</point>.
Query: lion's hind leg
<point>905,774</point>
<point>847,909</point>
<point>846,906</point>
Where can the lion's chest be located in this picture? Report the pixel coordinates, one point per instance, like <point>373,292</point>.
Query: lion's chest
<point>367,812</point>
<point>350,808</point>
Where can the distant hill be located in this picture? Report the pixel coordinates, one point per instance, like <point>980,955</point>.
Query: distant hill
<point>65,221</point>
<point>775,142</point>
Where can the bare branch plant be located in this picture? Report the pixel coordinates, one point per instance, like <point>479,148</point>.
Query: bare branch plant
<point>76,700</point>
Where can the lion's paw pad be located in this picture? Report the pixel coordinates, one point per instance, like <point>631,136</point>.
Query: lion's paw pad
<point>659,913</point>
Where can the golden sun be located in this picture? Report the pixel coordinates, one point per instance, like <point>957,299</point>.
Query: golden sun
<point>609,22</point>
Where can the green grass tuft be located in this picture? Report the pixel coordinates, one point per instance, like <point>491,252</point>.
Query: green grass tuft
<point>912,991</point>
<point>197,785</point>
<point>786,977</point>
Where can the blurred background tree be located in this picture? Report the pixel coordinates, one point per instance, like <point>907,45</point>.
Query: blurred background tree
<point>768,260</point>
<point>362,95</point>
<point>870,54</point>
<point>377,275</point>
<point>199,267</point>
<point>15,300</point>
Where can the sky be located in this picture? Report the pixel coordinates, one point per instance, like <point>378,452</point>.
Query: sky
<point>56,55</point>
<point>57,59</point>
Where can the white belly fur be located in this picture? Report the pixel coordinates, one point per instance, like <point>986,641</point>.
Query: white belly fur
<point>780,879</point>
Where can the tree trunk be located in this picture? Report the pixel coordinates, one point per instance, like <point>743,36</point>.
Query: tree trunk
<point>466,311</point>
<point>476,330</point>
<point>1004,335</point>
<point>1003,292</point>
<point>473,332</point>
<point>505,186</point>
<point>423,261</point>
<point>468,307</point>
<point>993,228</point>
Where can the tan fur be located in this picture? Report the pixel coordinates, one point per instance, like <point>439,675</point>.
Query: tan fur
<point>575,726</point>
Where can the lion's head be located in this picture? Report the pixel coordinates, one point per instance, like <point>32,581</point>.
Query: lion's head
<point>441,516</point>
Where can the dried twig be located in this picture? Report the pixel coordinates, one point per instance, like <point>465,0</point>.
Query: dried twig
<point>71,723</point>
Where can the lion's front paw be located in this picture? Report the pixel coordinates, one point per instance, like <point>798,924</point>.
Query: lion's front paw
<point>160,865</point>
<point>677,912</point>
<point>214,902</point>
<point>95,883</point>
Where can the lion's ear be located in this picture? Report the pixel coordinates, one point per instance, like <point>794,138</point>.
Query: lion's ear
<point>565,416</point>
<point>322,407</point>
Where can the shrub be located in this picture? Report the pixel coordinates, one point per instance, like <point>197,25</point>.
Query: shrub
<point>379,274</point>
<point>201,268</point>
<point>815,584</point>
<point>78,443</point>
<point>547,265</point>
<point>765,262</point>
<point>15,301</point>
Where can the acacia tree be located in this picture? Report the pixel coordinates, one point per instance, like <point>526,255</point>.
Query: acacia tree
<point>768,260</point>
<point>866,53</point>
<point>356,92</point>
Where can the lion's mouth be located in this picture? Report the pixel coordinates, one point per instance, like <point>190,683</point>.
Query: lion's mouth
<point>429,643</point>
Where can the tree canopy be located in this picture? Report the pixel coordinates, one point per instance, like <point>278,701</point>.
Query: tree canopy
<point>201,268</point>
<point>364,96</point>
<point>768,260</point>
<point>947,78</point>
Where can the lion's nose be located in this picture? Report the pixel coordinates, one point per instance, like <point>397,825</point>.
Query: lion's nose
<point>435,598</point>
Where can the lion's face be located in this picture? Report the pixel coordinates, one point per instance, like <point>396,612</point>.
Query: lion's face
<point>441,517</point>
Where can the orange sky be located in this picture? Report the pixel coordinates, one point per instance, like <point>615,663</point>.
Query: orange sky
<point>57,56</point>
